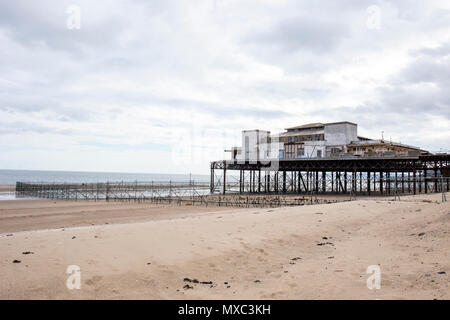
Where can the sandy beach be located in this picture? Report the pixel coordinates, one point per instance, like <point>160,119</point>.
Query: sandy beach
<point>144,251</point>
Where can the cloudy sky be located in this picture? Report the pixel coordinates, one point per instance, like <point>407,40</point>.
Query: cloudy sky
<point>166,86</point>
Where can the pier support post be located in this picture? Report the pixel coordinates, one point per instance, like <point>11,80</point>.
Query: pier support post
<point>381,182</point>
<point>324,182</point>
<point>259,180</point>
<point>224,178</point>
<point>425,180</point>
<point>388,181</point>
<point>211,186</point>
<point>435,177</point>
<point>345,182</point>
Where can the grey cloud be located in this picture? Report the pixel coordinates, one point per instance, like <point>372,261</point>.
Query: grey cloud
<point>302,33</point>
<point>409,98</point>
<point>441,51</point>
<point>33,24</point>
<point>19,127</point>
<point>213,108</point>
<point>31,103</point>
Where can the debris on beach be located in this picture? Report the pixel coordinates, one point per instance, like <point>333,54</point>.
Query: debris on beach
<point>421,234</point>
<point>325,243</point>
<point>296,258</point>
<point>441,272</point>
<point>73,237</point>
<point>27,252</point>
<point>186,287</point>
<point>197,281</point>
<point>16,261</point>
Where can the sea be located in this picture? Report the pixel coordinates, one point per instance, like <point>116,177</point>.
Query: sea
<point>10,177</point>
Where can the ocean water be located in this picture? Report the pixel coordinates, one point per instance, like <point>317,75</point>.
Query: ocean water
<point>10,177</point>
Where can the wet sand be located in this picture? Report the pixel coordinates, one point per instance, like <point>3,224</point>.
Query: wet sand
<point>308,252</point>
<point>28,215</point>
<point>7,187</point>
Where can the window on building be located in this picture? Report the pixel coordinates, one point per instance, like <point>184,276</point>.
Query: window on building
<point>335,150</point>
<point>319,153</point>
<point>300,152</point>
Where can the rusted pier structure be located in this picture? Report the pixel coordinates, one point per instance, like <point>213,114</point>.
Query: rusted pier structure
<point>114,191</point>
<point>177,193</point>
<point>352,175</point>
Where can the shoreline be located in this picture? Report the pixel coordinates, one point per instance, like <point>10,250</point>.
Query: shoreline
<point>7,187</point>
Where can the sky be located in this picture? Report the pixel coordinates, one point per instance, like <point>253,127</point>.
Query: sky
<point>167,86</point>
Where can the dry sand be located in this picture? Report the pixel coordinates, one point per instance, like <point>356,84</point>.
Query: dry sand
<point>309,252</point>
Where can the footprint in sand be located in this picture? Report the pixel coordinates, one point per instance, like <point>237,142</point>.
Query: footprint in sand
<point>261,259</point>
<point>92,281</point>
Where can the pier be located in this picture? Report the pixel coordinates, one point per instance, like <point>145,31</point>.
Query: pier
<point>352,175</point>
